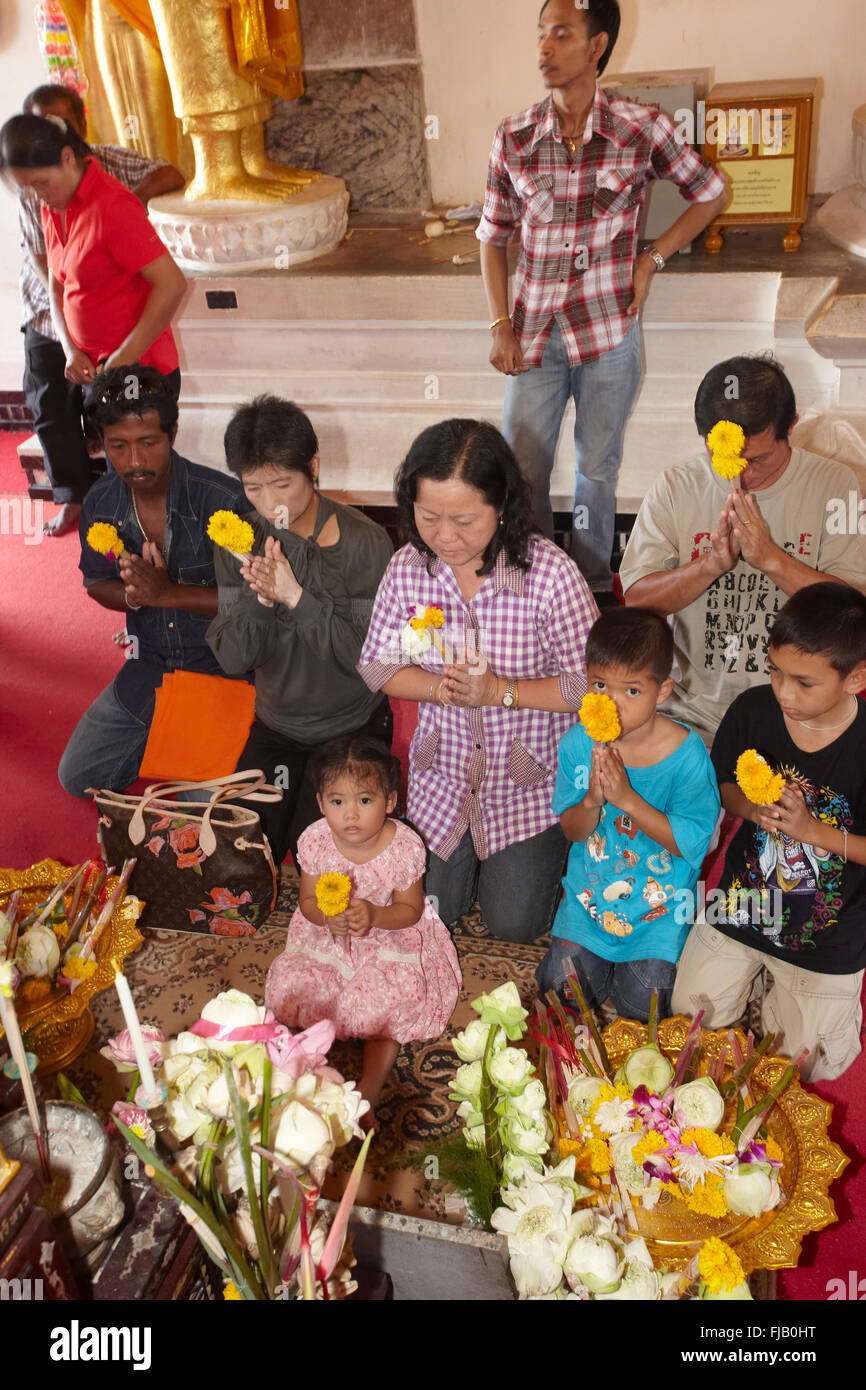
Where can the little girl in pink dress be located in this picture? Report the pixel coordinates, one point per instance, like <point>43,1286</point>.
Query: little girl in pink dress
<point>385,969</point>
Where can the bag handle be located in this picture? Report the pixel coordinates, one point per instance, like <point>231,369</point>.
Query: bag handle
<point>247,786</point>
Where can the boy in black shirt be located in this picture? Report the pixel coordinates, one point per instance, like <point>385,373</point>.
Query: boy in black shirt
<point>794,877</point>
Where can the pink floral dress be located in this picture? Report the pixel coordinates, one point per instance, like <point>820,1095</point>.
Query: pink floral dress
<point>387,984</point>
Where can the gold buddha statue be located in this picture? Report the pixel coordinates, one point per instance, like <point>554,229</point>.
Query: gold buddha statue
<point>222,59</point>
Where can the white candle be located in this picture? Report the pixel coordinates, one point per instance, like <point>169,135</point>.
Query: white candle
<point>148,1079</point>
<point>9,1019</point>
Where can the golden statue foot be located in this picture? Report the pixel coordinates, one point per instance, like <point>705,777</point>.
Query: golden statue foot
<point>236,188</point>
<point>295,179</point>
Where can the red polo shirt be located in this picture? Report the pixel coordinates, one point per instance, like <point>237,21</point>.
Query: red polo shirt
<point>109,241</point>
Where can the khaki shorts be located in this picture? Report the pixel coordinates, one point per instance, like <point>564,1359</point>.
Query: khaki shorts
<point>821,1012</point>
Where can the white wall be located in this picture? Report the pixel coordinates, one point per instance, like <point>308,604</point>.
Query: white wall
<point>479,65</point>
<point>21,69</point>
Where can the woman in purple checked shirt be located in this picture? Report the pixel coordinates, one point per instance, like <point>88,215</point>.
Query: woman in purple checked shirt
<point>497,683</point>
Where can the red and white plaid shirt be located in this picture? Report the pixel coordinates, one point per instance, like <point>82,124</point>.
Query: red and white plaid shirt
<point>580,220</point>
<point>488,770</point>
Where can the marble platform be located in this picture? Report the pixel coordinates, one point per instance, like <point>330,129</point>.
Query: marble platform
<point>383,337</point>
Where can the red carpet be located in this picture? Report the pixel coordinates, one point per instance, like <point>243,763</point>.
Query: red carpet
<point>56,655</point>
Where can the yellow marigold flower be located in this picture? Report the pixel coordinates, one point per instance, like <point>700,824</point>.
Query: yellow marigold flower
<point>227,528</point>
<point>719,1266</point>
<point>757,780</point>
<point>709,1144</point>
<point>230,1291</point>
<point>706,1198</point>
<point>333,892</point>
<point>568,1146</point>
<point>104,539</point>
<point>774,1150</point>
<point>433,616</point>
<point>600,717</point>
<point>594,1158</point>
<point>419,624</point>
<point>728,465</point>
<point>651,1142</point>
<point>35,989</point>
<point>78,969</point>
<point>726,438</point>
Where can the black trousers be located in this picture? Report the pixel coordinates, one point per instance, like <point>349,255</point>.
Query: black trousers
<point>56,405</point>
<point>284,759</point>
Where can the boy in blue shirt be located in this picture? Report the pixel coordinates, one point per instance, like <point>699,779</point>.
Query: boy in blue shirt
<point>640,813</point>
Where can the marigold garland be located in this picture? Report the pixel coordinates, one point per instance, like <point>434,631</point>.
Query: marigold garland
<point>105,540</point>
<point>757,780</point>
<point>651,1143</point>
<point>708,1143</point>
<point>600,717</point>
<point>726,441</point>
<point>431,617</point>
<point>227,529</point>
<point>719,1266</point>
<point>333,892</point>
<point>78,969</point>
<point>707,1197</point>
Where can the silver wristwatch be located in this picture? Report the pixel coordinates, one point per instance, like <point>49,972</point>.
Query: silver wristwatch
<point>656,256</point>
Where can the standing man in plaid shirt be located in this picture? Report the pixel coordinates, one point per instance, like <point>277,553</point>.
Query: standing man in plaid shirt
<point>54,400</point>
<point>574,169</point>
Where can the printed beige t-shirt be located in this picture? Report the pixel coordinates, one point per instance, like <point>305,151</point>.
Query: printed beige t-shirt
<point>721,638</point>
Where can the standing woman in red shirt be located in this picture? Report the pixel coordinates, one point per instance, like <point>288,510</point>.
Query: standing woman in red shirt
<point>113,286</point>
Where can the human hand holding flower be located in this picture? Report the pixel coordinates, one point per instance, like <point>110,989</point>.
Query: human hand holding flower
<point>724,545</point>
<point>145,577</point>
<point>271,576</point>
<point>470,686</point>
<point>790,816</point>
<point>358,917</point>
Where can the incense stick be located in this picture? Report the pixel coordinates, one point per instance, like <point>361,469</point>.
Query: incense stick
<point>9,1019</point>
<point>107,912</point>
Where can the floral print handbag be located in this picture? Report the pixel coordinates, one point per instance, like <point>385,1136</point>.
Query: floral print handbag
<point>203,866</point>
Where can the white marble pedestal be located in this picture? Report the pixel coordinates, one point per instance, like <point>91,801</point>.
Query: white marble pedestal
<point>224,237</point>
<point>843,217</point>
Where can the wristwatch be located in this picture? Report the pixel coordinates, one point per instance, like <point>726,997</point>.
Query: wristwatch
<point>658,259</point>
<point>509,699</point>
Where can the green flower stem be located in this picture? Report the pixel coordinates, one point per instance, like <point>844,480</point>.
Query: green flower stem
<point>587,1018</point>
<point>591,1068</point>
<point>264,1176</point>
<point>653,1024</point>
<point>763,1106</point>
<point>241,1116</point>
<point>730,1087</point>
<point>492,1141</point>
<point>130,1095</point>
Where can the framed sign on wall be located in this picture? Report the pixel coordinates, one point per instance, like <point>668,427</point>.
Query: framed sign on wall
<point>759,135</point>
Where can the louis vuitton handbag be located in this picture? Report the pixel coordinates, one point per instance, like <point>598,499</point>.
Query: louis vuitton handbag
<point>202,866</point>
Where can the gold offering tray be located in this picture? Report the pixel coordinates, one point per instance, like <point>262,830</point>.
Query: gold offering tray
<point>798,1122</point>
<point>59,1026</point>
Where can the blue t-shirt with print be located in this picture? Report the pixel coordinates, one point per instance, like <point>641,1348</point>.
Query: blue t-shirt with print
<point>626,898</point>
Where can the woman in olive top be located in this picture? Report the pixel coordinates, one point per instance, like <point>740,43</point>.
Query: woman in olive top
<point>319,563</point>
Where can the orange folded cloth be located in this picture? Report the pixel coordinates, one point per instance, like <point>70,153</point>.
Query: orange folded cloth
<point>200,726</point>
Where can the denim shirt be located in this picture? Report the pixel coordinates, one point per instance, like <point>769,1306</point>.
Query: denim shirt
<point>168,639</point>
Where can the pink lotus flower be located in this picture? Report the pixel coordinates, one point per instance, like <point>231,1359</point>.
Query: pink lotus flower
<point>296,1053</point>
<point>135,1119</point>
<point>120,1050</point>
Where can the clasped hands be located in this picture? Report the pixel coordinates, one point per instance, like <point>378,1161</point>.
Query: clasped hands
<point>608,778</point>
<point>355,921</point>
<point>469,685</point>
<point>789,816</point>
<point>740,530</point>
<point>145,577</point>
<point>271,576</point>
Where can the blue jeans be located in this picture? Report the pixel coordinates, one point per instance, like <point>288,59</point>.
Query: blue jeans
<point>106,749</point>
<point>603,393</point>
<point>628,983</point>
<point>517,889</point>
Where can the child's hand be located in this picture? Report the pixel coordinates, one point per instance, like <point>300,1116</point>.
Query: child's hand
<point>791,816</point>
<point>595,793</point>
<point>614,778</point>
<point>338,926</point>
<point>358,917</point>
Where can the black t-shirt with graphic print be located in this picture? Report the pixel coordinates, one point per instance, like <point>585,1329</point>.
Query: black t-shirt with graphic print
<point>791,900</point>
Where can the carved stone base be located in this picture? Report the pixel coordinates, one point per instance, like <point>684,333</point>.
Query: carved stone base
<point>215,238</point>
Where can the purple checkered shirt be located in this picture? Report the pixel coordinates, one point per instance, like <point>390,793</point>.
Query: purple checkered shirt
<point>128,167</point>
<point>488,770</point>
<point>580,220</point>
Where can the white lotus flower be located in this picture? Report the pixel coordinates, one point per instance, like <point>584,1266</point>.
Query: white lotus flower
<point>467,1082</point>
<point>517,1171</point>
<point>531,1102</point>
<point>593,1262</point>
<point>301,1134</point>
<point>535,1228</point>
<point>231,1009</point>
<point>525,1138</point>
<point>699,1105</point>
<point>749,1190</point>
<point>414,641</point>
<point>639,1279</point>
<point>646,1066</point>
<point>510,1070</point>
<point>37,953</point>
<point>583,1092</point>
<point>471,1043</point>
<point>629,1173</point>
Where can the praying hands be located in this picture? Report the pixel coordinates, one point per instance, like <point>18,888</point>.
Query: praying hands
<point>271,576</point>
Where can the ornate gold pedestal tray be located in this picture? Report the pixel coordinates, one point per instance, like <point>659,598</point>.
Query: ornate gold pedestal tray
<point>59,1026</point>
<point>798,1122</point>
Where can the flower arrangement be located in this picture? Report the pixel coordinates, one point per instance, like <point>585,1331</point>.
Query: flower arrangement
<point>243,1140</point>
<point>105,540</point>
<point>726,442</point>
<point>333,892</point>
<point>229,530</point>
<point>422,632</point>
<point>600,717</point>
<point>757,780</point>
